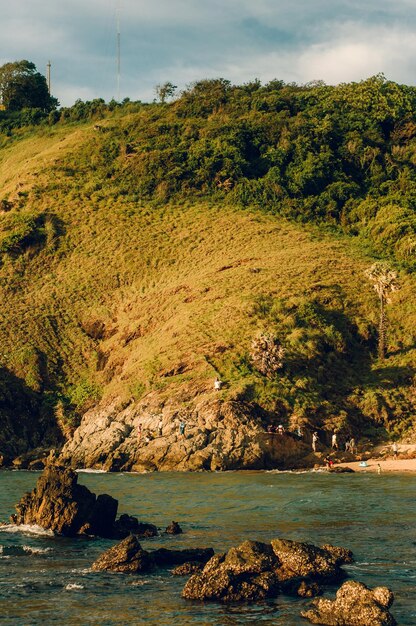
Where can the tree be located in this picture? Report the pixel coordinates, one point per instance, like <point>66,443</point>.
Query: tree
<point>385,281</point>
<point>167,90</point>
<point>21,86</point>
<point>267,354</point>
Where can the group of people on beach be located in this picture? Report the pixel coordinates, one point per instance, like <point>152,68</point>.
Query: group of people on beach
<point>350,443</point>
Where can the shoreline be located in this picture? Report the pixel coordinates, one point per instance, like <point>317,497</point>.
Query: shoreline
<point>386,465</point>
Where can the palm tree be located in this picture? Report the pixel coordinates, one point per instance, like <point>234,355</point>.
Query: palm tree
<point>385,281</point>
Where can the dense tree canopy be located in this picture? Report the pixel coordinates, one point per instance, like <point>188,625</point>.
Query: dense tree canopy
<point>21,87</point>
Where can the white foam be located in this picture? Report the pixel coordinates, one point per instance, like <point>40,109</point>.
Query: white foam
<point>8,551</point>
<point>27,529</point>
<point>87,470</point>
<point>74,587</point>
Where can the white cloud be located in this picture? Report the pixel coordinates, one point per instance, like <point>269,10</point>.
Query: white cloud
<point>356,53</point>
<point>186,40</point>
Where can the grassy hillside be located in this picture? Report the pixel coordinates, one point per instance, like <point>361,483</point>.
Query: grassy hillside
<point>110,290</point>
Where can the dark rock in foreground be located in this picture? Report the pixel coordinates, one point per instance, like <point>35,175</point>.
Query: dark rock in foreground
<point>354,605</point>
<point>128,556</point>
<point>255,570</point>
<point>58,503</point>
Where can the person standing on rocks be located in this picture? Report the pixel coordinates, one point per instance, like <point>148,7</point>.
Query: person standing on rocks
<point>217,384</point>
<point>395,450</point>
<point>182,428</point>
<point>334,441</point>
<point>315,440</point>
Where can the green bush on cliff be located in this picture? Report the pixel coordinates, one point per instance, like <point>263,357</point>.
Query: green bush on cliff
<point>20,230</point>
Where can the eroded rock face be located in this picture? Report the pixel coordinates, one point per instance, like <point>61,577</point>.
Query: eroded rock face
<point>128,556</point>
<point>58,503</point>
<point>218,436</point>
<point>354,605</point>
<point>255,570</point>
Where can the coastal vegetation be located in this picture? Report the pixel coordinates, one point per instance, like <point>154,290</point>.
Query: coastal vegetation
<point>150,247</point>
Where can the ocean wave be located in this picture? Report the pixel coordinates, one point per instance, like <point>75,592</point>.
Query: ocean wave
<point>87,470</point>
<point>74,587</point>
<point>295,471</point>
<point>26,529</point>
<point>22,550</point>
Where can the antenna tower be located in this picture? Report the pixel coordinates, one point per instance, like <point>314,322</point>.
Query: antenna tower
<point>48,76</point>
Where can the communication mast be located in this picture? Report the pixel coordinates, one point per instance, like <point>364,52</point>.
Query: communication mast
<point>48,76</point>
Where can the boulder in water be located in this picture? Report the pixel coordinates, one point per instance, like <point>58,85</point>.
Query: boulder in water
<point>59,504</point>
<point>354,605</point>
<point>305,561</point>
<point>243,573</point>
<point>255,570</point>
<point>127,556</point>
<point>173,529</point>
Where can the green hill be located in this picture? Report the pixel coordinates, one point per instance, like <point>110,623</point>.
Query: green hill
<point>145,247</point>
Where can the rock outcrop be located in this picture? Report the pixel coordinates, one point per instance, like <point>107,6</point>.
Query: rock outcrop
<point>255,570</point>
<point>354,605</point>
<point>308,562</point>
<point>128,556</point>
<point>217,436</point>
<point>59,504</point>
<point>127,525</point>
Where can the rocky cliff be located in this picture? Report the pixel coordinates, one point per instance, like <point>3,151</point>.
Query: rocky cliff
<point>216,435</point>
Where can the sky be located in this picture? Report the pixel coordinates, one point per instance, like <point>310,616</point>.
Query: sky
<point>182,41</point>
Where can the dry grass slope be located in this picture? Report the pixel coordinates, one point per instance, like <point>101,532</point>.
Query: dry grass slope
<point>118,298</point>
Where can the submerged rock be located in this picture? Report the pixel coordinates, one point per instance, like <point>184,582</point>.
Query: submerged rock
<point>173,529</point>
<point>164,557</point>
<point>59,504</point>
<point>354,605</point>
<point>255,570</point>
<point>128,556</point>
<point>127,525</point>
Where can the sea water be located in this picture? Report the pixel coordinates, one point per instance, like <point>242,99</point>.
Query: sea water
<point>48,580</point>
